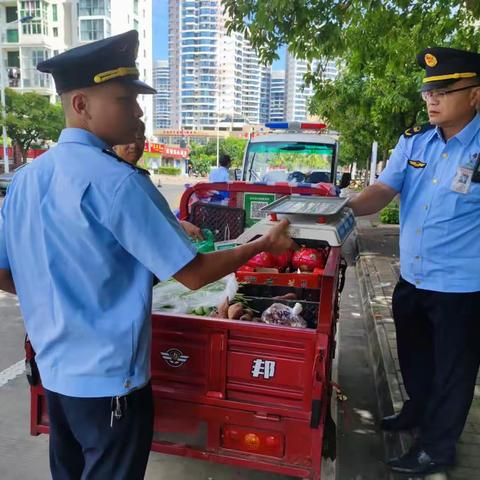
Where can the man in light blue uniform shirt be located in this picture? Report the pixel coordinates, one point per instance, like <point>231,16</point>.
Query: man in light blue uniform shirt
<point>220,174</point>
<point>81,234</point>
<point>436,303</point>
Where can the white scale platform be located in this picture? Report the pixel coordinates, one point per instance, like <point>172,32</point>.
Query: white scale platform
<point>311,218</point>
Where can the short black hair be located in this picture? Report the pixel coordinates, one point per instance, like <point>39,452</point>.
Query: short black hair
<point>225,160</point>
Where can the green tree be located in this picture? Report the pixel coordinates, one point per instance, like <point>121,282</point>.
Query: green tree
<point>205,156</point>
<point>235,148</point>
<point>374,41</point>
<point>32,119</point>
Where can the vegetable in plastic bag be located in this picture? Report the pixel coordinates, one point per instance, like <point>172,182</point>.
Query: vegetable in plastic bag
<point>173,297</point>
<point>280,314</point>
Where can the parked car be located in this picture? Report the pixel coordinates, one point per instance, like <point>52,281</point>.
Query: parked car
<point>6,179</point>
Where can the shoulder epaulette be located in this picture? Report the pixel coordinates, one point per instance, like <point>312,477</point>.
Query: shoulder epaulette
<point>410,132</point>
<point>119,159</point>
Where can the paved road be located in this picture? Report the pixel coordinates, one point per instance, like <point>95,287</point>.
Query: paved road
<point>172,193</point>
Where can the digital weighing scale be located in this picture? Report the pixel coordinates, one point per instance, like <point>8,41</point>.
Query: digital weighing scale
<point>313,218</point>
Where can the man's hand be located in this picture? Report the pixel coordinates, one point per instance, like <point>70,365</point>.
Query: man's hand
<point>208,267</point>
<point>277,240</point>
<point>191,230</point>
<point>372,199</point>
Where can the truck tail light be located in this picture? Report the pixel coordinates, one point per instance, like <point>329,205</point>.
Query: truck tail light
<point>252,440</point>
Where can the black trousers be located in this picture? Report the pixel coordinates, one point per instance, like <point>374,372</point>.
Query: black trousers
<point>86,445</point>
<point>438,341</point>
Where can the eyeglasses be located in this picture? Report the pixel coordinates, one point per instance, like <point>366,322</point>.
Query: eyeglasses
<point>441,94</point>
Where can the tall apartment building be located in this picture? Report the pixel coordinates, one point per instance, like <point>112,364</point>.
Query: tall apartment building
<point>213,76</point>
<point>297,95</point>
<point>276,111</point>
<point>24,45</point>
<point>58,25</point>
<point>161,101</point>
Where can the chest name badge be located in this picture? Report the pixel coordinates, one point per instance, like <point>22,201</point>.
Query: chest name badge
<point>462,180</point>
<point>417,164</point>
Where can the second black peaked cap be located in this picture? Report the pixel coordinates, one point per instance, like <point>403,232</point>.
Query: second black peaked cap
<point>96,63</point>
<point>447,65</point>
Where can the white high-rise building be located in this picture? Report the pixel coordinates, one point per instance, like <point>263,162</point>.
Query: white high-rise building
<point>277,97</point>
<point>97,19</point>
<point>298,95</point>
<point>215,77</point>
<point>161,101</point>
<point>58,25</point>
<point>24,45</point>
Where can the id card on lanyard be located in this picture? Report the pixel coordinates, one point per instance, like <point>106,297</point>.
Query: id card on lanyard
<point>462,180</point>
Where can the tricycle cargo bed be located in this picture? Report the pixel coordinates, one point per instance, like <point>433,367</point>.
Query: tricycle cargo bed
<point>245,365</point>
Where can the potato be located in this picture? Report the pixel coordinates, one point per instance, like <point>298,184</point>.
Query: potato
<point>235,311</point>
<point>222,309</point>
<point>246,317</point>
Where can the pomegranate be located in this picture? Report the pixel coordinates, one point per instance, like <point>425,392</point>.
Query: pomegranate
<point>283,261</point>
<point>308,259</point>
<point>262,260</point>
<point>246,268</point>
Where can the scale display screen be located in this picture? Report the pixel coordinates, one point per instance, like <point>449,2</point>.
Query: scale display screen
<point>301,205</point>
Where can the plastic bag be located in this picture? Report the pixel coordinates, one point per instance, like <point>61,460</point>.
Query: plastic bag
<point>280,314</point>
<point>207,244</point>
<point>171,296</point>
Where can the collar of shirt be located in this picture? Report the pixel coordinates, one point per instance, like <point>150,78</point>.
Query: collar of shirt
<point>78,135</point>
<point>465,136</point>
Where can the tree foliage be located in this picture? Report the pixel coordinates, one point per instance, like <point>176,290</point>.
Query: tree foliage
<point>374,42</point>
<point>31,119</point>
<point>204,156</point>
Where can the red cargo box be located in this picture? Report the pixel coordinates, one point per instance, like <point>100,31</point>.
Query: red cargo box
<point>298,280</point>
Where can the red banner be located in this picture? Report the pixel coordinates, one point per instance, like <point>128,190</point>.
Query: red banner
<point>167,151</point>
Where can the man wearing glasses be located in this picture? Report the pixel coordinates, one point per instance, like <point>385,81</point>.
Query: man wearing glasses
<point>436,303</point>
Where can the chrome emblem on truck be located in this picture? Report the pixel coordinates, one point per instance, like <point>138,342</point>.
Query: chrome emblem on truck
<point>174,357</point>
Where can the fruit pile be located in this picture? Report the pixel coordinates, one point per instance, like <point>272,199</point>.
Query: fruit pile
<point>303,260</point>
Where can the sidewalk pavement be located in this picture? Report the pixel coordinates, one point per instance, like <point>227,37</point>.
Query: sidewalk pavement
<point>378,270</point>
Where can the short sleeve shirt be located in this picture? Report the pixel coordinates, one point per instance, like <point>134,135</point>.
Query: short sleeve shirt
<point>82,233</point>
<point>439,223</point>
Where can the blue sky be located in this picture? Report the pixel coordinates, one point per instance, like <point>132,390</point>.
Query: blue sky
<point>160,34</point>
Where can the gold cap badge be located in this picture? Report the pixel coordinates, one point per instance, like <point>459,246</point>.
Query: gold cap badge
<point>430,60</point>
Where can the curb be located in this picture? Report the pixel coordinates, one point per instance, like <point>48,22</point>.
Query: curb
<point>387,387</point>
